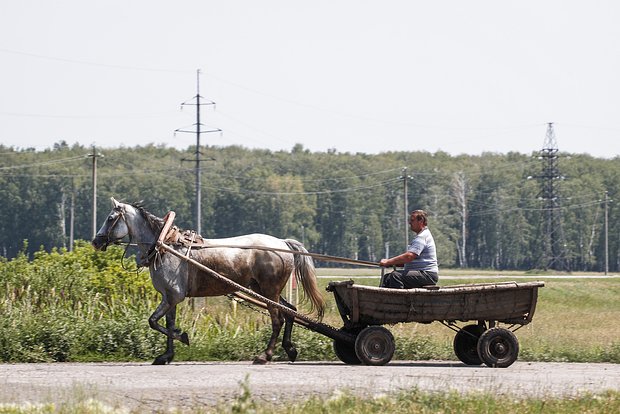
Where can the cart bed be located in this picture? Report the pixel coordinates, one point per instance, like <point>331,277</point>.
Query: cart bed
<point>507,302</point>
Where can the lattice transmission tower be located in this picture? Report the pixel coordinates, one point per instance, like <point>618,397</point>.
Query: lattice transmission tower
<point>553,254</point>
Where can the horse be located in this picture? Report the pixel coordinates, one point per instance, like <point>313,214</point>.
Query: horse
<point>262,270</point>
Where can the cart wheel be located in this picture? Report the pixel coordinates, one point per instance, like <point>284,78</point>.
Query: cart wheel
<point>375,346</point>
<point>498,347</point>
<point>466,344</point>
<point>346,351</point>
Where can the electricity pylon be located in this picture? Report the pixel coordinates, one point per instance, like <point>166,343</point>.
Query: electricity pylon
<point>198,131</point>
<point>553,253</point>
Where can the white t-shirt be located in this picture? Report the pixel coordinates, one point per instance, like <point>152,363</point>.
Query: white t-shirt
<point>424,246</point>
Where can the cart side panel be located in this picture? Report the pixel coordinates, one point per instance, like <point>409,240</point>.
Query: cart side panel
<point>384,306</point>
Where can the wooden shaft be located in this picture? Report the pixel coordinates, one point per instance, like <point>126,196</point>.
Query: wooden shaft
<point>308,322</point>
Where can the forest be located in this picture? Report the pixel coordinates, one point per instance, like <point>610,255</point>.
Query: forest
<point>488,211</point>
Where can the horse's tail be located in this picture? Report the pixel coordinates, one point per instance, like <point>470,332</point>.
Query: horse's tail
<point>306,275</point>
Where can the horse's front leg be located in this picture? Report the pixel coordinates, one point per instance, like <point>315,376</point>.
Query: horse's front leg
<point>169,310</point>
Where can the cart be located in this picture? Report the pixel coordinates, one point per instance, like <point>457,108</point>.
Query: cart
<point>365,309</point>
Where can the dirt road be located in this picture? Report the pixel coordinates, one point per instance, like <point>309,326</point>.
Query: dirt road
<point>182,385</point>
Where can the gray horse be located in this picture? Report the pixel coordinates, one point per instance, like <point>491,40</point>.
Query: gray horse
<point>265,272</point>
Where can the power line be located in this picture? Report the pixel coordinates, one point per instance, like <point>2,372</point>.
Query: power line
<point>310,180</point>
<point>295,193</point>
<point>119,116</point>
<point>99,64</point>
<point>43,163</point>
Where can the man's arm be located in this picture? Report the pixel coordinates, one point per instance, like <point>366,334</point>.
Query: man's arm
<point>401,259</point>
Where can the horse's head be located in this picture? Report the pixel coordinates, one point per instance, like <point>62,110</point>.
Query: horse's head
<point>115,226</point>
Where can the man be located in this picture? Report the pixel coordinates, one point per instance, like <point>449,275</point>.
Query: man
<point>420,259</point>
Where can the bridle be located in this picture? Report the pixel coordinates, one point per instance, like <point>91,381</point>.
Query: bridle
<point>146,259</point>
<point>108,240</point>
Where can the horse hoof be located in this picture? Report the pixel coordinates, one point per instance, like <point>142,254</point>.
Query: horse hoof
<point>260,360</point>
<point>292,354</point>
<point>161,360</point>
<point>185,338</point>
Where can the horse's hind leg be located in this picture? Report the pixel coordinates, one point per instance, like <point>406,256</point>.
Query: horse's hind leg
<point>287,344</point>
<point>276,326</point>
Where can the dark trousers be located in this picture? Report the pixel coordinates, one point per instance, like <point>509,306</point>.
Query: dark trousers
<point>412,279</point>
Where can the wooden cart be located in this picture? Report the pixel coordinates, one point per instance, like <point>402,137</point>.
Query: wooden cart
<point>364,309</point>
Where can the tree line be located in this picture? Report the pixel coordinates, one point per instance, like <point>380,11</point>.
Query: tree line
<point>485,210</point>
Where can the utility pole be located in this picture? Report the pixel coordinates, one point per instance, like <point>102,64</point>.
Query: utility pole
<point>405,177</point>
<point>198,154</point>
<point>72,215</point>
<point>94,156</point>
<point>459,190</point>
<point>606,232</point>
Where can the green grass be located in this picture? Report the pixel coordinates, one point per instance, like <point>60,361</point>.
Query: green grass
<point>420,402</point>
<point>411,401</point>
<point>82,306</point>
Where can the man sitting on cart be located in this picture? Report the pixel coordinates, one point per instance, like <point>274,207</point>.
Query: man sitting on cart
<point>420,259</point>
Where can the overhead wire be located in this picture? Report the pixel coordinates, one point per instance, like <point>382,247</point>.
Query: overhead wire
<point>99,64</point>
<point>300,178</point>
<point>119,116</point>
<point>43,163</point>
<point>285,193</point>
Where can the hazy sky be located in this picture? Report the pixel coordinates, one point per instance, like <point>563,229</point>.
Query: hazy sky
<point>355,76</point>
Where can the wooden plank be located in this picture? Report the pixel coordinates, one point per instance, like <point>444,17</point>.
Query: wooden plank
<point>355,308</point>
<point>503,301</point>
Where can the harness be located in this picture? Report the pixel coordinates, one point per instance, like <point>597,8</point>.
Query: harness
<point>172,235</point>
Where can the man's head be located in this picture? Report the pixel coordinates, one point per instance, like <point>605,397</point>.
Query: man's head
<point>418,219</point>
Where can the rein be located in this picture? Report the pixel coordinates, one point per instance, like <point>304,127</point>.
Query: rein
<point>318,256</point>
<point>190,239</point>
<point>172,235</point>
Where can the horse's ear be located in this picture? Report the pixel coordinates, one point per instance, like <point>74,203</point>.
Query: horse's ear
<point>114,202</point>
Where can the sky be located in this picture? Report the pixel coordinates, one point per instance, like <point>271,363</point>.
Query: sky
<point>463,77</point>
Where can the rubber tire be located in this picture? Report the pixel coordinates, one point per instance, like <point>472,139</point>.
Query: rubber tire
<point>375,345</point>
<point>346,351</point>
<point>498,347</point>
<point>466,344</point>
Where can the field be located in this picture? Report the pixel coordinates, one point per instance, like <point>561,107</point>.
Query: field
<point>83,306</point>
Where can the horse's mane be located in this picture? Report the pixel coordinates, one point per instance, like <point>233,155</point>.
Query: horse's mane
<point>154,222</point>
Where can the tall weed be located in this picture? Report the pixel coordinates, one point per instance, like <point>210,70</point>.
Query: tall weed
<point>83,306</point>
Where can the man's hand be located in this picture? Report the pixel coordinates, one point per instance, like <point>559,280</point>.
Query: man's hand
<point>384,262</point>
